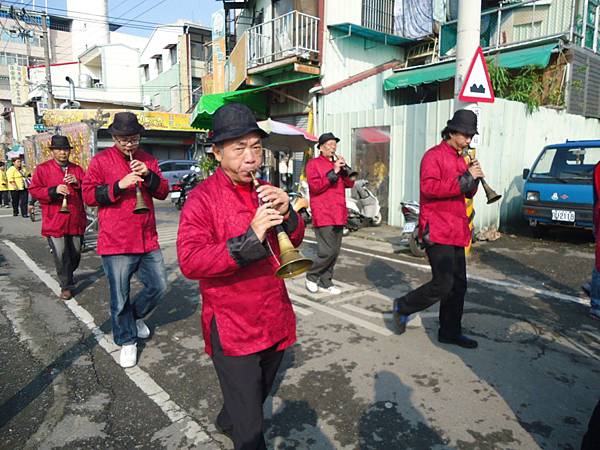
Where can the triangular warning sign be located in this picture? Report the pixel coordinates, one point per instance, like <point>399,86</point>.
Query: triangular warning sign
<point>477,86</point>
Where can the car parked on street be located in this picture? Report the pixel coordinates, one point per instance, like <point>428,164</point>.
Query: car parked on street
<point>558,188</point>
<point>174,169</point>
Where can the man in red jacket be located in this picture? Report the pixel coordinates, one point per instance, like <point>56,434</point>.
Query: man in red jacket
<point>225,241</point>
<point>327,182</point>
<point>53,181</point>
<point>446,180</point>
<point>128,242</point>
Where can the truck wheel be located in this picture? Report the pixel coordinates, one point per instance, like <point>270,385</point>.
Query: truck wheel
<point>539,231</point>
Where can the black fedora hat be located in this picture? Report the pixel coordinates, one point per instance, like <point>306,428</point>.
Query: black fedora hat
<point>59,142</point>
<point>464,121</point>
<point>234,120</point>
<point>125,124</point>
<point>327,137</point>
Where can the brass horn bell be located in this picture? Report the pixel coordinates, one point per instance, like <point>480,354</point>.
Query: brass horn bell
<point>64,209</point>
<point>291,262</point>
<point>492,196</point>
<point>140,204</point>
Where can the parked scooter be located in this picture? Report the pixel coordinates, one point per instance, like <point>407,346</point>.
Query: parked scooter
<point>183,188</point>
<point>363,207</point>
<point>299,200</point>
<point>410,232</point>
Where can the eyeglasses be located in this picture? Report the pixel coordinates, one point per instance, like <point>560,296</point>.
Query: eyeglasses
<point>133,141</point>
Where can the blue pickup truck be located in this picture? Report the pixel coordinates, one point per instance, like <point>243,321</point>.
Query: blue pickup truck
<point>558,188</point>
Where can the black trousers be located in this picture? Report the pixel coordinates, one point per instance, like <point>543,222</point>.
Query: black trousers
<point>329,243</point>
<point>246,382</point>
<point>19,199</point>
<point>66,251</point>
<point>5,197</point>
<point>448,286</point>
<point>591,439</point>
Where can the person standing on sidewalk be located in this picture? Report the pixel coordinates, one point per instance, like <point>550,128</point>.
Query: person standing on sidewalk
<point>128,242</point>
<point>446,180</point>
<point>52,182</point>
<point>225,241</point>
<point>17,185</point>
<point>4,192</point>
<point>327,181</point>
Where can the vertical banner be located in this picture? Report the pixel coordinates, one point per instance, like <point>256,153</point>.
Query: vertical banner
<point>19,88</point>
<point>218,38</point>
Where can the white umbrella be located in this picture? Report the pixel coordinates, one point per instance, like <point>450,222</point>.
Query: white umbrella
<point>286,138</point>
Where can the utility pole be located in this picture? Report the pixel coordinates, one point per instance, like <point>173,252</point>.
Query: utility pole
<point>46,37</point>
<point>467,41</point>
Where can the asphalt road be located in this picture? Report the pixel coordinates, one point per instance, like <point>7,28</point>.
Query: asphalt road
<point>349,383</point>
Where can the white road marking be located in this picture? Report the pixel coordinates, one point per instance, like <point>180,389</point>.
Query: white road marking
<point>302,311</point>
<point>505,284</point>
<point>342,315</point>
<point>173,411</point>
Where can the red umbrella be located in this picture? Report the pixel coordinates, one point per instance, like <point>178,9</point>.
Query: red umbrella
<point>373,136</point>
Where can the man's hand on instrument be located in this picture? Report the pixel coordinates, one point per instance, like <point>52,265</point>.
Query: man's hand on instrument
<point>339,164</point>
<point>475,170</point>
<point>62,189</point>
<point>70,179</point>
<point>139,167</point>
<point>264,219</point>
<point>131,179</point>
<point>276,197</point>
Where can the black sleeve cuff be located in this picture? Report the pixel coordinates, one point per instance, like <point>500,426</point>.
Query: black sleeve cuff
<point>467,182</point>
<point>151,181</point>
<point>116,189</point>
<point>290,225</point>
<point>246,249</point>
<point>332,176</point>
<point>102,195</point>
<point>53,194</point>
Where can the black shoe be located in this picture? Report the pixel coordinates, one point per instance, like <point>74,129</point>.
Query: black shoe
<point>26,216</point>
<point>462,341</point>
<point>224,431</point>
<point>586,288</point>
<point>15,215</point>
<point>400,319</point>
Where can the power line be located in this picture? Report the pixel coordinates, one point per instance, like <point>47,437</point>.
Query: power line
<point>145,11</point>
<point>132,8</point>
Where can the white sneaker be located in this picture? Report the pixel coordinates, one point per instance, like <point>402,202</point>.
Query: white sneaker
<point>143,332</point>
<point>333,290</point>
<point>128,357</point>
<point>312,287</point>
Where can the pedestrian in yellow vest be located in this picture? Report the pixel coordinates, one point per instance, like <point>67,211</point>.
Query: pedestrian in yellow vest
<point>17,185</point>
<point>4,193</point>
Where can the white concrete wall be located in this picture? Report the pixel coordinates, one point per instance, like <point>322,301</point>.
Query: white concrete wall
<point>344,56</point>
<point>90,24</point>
<point>160,38</point>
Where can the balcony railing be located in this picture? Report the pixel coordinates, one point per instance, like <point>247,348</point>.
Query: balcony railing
<point>378,15</point>
<point>527,21</point>
<point>293,34</point>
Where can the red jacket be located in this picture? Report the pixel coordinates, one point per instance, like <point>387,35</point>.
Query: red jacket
<point>327,193</point>
<point>215,245</point>
<point>46,178</point>
<point>120,230</point>
<point>445,184</point>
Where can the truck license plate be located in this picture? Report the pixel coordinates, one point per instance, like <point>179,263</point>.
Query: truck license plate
<point>563,216</point>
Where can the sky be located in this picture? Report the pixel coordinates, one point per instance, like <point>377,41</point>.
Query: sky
<point>166,11</point>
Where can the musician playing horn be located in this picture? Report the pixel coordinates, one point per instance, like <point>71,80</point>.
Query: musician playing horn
<point>446,180</point>
<point>52,182</point>
<point>327,181</point>
<point>225,241</point>
<point>128,242</point>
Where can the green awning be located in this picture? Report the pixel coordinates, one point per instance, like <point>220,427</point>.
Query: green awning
<point>350,29</point>
<point>532,56</point>
<point>254,98</point>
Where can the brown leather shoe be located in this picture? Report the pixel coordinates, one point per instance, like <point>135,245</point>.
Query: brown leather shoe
<point>66,294</point>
